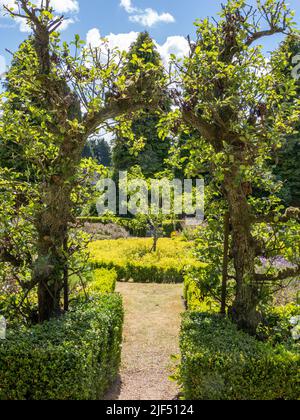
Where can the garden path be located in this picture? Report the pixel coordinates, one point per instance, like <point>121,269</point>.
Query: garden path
<point>151,336</point>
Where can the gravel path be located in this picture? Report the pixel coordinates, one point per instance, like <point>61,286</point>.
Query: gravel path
<point>152,323</point>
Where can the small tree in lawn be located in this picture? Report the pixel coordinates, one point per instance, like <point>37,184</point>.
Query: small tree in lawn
<point>150,200</point>
<point>241,105</point>
<point>66,93</point>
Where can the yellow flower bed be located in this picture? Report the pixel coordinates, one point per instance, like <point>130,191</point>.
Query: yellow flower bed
<point>133,260</point>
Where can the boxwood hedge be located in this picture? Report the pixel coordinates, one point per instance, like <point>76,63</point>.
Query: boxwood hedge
<point>103,281</point>
<point>73,358</point>
<point>221,363</point>
<point>133,261</point>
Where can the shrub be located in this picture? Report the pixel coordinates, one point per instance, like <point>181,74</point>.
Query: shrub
<point>195,299</point>
<point>280,324</point>
<point>72,358</point>
<point>103,281</point>
<point>136,227</point>
<point>221,363</point>
<point>99,231</point>
<point>132,259</point>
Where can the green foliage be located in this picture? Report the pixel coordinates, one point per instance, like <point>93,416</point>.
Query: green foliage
<point>103,281</point>
<point>196,298</point>
<point>281,324</point>
<point>221,363</point>
<point>133,260</point>
<point>99,150</point>
<point>242,106</point>
<point>58,96</point>
<point>287,169</point>
<point>285,162</point>
<point>136,226</point>
<point>76,357</point>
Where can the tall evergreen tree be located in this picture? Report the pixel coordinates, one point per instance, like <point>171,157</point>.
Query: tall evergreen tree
<point>286,162</point>
<point>98,149</point>
<point>154,151</point>
<point>12,153</point>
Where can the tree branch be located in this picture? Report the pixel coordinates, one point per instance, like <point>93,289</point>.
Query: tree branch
<point>139,95</point>
<point>261,34</point>
<point>282,275</point>
<point>203,127</point>
<point>276,18</point>
<point>114,109</point>
<point>7,257</point>
<point>291,213</point>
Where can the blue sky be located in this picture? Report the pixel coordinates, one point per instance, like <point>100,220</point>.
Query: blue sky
<point>168,21</point>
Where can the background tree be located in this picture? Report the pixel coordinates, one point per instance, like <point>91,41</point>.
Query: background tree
<point>151,201</point>
<point>234,98</point>
<point>151,152</point>
<point>11,152</point>
<point>53,88</point>
<point>98,149</point>
<point>286,160</point>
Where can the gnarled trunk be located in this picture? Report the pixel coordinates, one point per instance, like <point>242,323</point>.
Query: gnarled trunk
<point>244,309</point>
<point>50,266</point>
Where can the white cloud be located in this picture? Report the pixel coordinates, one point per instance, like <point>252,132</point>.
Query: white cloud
<point>150,17</point>
<point>145,17</point>
<point>93,38</point>
<point>120,41</point>
<point>65,6</point>
<point>127,5</point>
<point>59,6</point>
<point>66,23</point>
<point>177,45</point>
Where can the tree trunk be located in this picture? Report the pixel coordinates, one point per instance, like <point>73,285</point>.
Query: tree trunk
<point>66,277</point>
<point>155,240</point>
<point>225,263</point>
<point>243,311</point>
<point>49,301</point>
<point>51,264</point>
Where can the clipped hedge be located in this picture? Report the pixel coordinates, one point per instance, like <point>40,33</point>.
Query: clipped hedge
<point>74,358</point>
<point>221,363</point>
<point>133,261</point>
<point>103,281</point>
<point>134,226</point>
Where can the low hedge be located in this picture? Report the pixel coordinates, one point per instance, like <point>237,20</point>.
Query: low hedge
<point>76,357</point>
<point>133,261</point>
<point>221,363</point>
<point>133,226</point>
<point>103,281</point>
